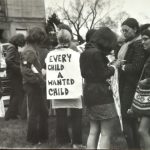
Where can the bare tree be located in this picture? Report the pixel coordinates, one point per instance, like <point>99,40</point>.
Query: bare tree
<point>121,16</point>
<point>86,14</point>
<point>109,23</point>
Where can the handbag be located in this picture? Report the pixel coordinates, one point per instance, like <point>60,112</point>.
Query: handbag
<point>141,100</point>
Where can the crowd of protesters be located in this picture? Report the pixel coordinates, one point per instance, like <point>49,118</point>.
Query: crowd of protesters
<point>130,52</point>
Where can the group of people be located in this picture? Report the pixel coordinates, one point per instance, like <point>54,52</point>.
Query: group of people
<point>27,73</point>
<point>24,69</point>
<point>130,58</point>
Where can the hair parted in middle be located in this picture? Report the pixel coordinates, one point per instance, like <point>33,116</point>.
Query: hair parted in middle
<point>104,38</point>
<point>132,23</point>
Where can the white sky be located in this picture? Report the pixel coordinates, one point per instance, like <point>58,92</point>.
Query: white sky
<point>138,9</point>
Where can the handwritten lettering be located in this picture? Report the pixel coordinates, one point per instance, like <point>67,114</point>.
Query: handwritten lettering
<point>60,58</point>
<point>58,91</point>
<point>56,67</point>
<point>61,82</point>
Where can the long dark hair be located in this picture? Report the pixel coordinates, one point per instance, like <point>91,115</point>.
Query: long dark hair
<point>105,39</point>
<point>132,23</point>
<point>89,34</point>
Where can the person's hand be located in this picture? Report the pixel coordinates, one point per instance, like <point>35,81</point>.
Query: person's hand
<point>34,69</point>
<point>43,72</point>
<point>118,63</point>
<point>111,58</point>
<point>130,111</point>
<point>142,83</point>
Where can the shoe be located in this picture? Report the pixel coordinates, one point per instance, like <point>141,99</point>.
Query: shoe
<point>66,146</point>
<point>39,143</point>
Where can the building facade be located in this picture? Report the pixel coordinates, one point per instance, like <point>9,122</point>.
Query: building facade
<point>18,16</point>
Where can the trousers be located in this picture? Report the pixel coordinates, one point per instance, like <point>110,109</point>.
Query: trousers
<point>62,126</point>
<point>38,114</point>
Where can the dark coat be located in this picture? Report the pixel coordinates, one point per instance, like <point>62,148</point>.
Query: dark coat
<point>34,86</point>
<point>31,57</point>
<point>94,70</point>
<point>135,59</point>
<point>42,55</point>
<point>13,62</point>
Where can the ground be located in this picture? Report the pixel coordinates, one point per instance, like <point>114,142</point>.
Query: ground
<point>13,134</point>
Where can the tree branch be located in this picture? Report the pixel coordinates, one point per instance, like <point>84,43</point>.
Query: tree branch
<point>99,20</point>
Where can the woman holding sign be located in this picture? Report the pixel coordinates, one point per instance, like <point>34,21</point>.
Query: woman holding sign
<point>97,92</point>
<point>64,88</point>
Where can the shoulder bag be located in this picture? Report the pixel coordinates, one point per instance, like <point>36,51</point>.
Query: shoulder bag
<point>141,100</point>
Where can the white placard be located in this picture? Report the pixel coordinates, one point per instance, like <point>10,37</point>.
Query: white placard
<point>63,76</point>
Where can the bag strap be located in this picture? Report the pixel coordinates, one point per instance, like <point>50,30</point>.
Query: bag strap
<point>142,72</point>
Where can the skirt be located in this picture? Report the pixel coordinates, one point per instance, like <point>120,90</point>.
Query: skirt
<point>101,112</point>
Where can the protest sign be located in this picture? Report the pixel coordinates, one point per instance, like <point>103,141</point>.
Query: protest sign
<point>63,76</point>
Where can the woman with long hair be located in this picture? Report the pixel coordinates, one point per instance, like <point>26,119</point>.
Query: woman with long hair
<point>98,95</point>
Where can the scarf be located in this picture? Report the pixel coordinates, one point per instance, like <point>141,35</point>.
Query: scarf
<point>115,89</point>
<point>123,50</point>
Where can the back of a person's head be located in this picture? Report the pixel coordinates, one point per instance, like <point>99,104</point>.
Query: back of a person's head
<point>17,40</point>
<point>66,27</point>
<point>89,34</point>
<point>64,37</point>
<point>36,36</point>
<point>104,38</point>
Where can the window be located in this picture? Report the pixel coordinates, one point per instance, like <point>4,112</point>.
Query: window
<point>2,8</point>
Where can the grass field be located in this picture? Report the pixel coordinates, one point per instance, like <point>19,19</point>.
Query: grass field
<point>13,134</point>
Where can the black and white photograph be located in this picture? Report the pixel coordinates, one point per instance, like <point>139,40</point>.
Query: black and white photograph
<point>75,74</point>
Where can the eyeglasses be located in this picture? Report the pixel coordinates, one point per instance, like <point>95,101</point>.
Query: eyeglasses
<point>145,39</point>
